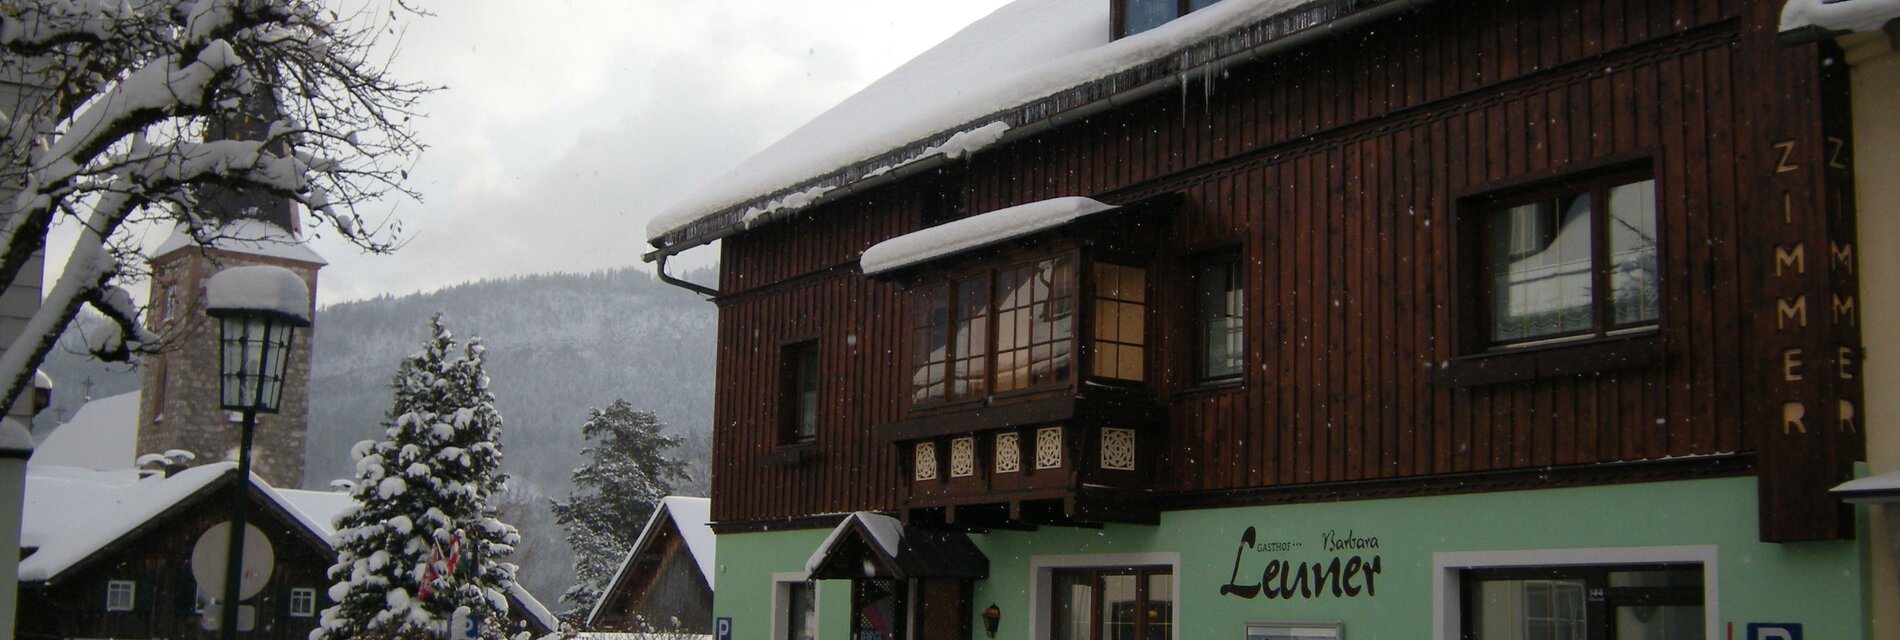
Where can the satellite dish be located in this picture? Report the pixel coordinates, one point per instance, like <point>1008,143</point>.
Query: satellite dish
<point>209,555</point>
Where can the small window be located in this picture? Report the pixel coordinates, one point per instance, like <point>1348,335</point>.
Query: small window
<point>1578,261</point>
<point>1136,16</point>
<point>303,603</point>
<point>121,595</point>
<point>1658,602</point>
<point>1121,322</point>
<point>799,401</point>
<point>801,611</point>
<point>1219,322</point>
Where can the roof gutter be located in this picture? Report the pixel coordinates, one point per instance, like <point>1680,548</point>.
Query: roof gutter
<point>931,163</point>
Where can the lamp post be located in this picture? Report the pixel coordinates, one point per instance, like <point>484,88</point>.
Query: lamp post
<point>258,309</point>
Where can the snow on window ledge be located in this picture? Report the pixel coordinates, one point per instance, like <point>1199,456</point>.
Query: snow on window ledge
<point>976,231</point>
<point>1839,15</point>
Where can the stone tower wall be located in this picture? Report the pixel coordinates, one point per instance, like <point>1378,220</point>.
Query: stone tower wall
<point>179,406</point>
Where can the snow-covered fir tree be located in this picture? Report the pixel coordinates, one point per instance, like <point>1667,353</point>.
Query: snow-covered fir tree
<point>627,473</point>
<point>422,540</point>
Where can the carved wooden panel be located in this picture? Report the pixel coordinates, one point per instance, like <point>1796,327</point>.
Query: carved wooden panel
<point>1049,448</point>
<point>1118,449</point>
<point>1009,456</point>
<point>963,457</point>
<point>926,461</point>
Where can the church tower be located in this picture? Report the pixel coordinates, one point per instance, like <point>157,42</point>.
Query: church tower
<point>178,405</point>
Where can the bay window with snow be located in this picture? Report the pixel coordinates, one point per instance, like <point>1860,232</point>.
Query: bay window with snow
<point>1011,327</point>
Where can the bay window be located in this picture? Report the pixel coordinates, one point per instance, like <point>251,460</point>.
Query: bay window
<point>1012,328</point>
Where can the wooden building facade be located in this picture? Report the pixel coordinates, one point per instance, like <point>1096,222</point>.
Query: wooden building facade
<point>1327,277</point>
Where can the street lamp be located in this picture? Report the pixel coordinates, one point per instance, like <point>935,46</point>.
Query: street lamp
<point>258,309</point>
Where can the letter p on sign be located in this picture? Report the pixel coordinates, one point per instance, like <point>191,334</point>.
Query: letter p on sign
<point>1774,631</point>
<point>722,629</point>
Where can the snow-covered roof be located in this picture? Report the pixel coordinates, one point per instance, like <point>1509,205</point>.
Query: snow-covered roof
<point>1884,487</point>
<point>72,513</point>
<point>532,607</point>
<point>976,231</point>
<point>884,531</point>
<point>14,437</point>
<point>259,287</point>
<point>101,436</point>
<point>1839,15</point>
<point>973,88</point>
<point>247,236</point>
<point>693,518</point>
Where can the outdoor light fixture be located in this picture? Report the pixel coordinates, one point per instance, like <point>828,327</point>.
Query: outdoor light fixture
<point>258,308</point>
<point>991,616</point>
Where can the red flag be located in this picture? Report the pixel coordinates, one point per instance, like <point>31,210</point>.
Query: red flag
<point>429,574</point>
<point>455,552</point>
<point>428,577</point>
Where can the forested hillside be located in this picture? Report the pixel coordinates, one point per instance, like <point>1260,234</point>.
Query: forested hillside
<point>557,345</point>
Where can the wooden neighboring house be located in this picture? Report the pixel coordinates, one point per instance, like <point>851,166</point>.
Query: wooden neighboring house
<point>106,554</point>
<point>1273,318</point>
<point>665,584</point>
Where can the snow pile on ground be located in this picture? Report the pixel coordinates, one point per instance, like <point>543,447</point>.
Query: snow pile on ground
<point>1839,15</point>
<point>976,231</point>
<point>1025,51</point>
<point>101,436</point>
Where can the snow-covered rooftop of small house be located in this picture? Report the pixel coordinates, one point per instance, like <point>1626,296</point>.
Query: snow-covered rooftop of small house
<point>259,287</point>
<point>247,236</point>
<point>976,231</point>
<point>1839,15</point>
<point>71,513</point>
<point>885,531</point>
<point>693,518</point>
<point>100,436</point>
<point>1026,51</point>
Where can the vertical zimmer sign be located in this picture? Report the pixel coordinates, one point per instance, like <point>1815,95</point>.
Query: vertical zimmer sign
<point>1809,316</point>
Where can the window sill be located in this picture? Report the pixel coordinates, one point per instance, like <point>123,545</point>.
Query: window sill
<point>1553,360</point>
<point>786,455</point>
<point>1212,388</point>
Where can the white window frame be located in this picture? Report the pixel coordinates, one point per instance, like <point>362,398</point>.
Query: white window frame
<point>1449,567</point>
<point>128,588</point>
<point>1042,579</point>
<point>1336,629</point>
<point>309,599</point>
<point>782,600</point>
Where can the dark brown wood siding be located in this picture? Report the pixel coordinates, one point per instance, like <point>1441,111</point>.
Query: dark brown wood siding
<point>1337,171</point>
<point>159,562</point>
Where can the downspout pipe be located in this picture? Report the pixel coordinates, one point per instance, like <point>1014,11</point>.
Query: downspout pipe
<point>694,287</point>
<point>1331,29</point>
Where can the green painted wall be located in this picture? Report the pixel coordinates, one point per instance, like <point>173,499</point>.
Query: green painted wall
<point>1820,585</point>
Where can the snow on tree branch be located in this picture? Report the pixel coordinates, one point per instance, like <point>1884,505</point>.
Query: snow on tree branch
<point>126,116</point>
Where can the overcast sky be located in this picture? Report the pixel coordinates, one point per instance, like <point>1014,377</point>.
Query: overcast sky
<point>565,124</point>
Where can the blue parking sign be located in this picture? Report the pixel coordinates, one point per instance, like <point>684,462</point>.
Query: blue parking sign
<point>722,629</point>
<point>1774,631</point>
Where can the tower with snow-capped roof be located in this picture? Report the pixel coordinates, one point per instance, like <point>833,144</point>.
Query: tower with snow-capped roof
<point>179,403</point>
